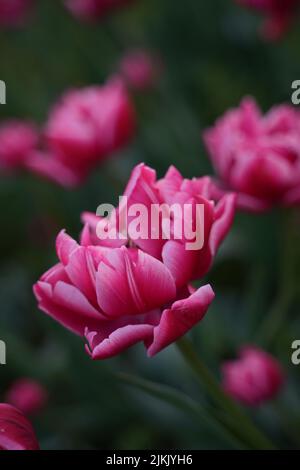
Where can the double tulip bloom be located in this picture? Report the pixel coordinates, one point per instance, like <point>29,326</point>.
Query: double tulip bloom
<point>279,15</point>
<point>255,377</point>
<point>16,432</point>
<point>18,139</point>
<point>257,156</point>
<point>83,129</point>
<point>93,9</point>
<point>118,294</point>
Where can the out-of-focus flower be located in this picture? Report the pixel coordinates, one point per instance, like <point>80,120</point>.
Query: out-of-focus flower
<point>84,128</point>
<point>253,378</point>
<point>279,15</point>
<point>17,140</point>
<point>29,396</point>
<point>119,292</point>
<point>140,69</point>
<point>16,432</point>
<point>94,9</point>
<point>14,13</point>
<point>257,156</point>
<point>173,190</point>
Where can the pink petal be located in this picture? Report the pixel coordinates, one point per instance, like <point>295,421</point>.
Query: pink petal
<point>251,203</point>
<point>170,184</point>
<point>82,272</point>
<point>118,340</point>
<point>65,245</point>
<point>131,282</point>
<point>16,432</point>
<point>179,261</point>
<point>180,318</point>
<point>224,215</point>
<point>292,197</point>
<point>141,189</point>
<point>67,305</point>
<point>51,168</point>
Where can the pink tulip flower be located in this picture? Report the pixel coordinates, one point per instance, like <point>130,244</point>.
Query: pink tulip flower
<point>16,432</point>
<point>279,15</point>
<point>14,13</point>
<point>91,10</point>
<point>83,129</point>
<point>17,140</point>
<point>139,69</point>
<point>118,292</point>
<point>29,396</point>
<point>255,377</point>
<point>257,156</point>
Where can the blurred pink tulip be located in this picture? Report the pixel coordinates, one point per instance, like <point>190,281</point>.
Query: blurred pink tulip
<point>16,432</point>
<point>93,9</point>
<point>257,156</point>
<point>17,140</point>
<point>14,13</point>
<point>279,15</point>
<point>83,129</point>
<point>29,396</point>
<point>140,69</point>
<point>254,378</point>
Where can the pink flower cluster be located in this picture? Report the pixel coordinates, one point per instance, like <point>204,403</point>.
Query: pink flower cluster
<point>279,15</point>
<point>257,156</point>
<point>116,295</point>
<point>83,129</point>
<point>253,378</point>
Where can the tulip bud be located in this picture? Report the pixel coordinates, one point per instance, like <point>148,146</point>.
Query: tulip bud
<point>253,378</point>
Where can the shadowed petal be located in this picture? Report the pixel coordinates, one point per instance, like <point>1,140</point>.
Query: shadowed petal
<point>180,318</point>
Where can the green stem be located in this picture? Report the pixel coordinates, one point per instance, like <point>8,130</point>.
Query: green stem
<point>234,416</point>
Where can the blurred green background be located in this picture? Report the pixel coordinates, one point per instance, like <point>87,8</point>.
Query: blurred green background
<point>212,57</point>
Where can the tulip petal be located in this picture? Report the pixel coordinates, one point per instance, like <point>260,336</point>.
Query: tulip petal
<point>118,340</point>
<point>224,215</point>
<point>179,261</point>
<point>67,305</point>
<point>170,184</point>
<point>51,168</point>
<point>65,245</point>
<point>180,318</point>
<point>16,432</point>
<point>141,189</point>
<point>131,282</point>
